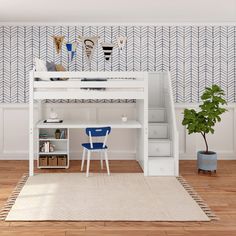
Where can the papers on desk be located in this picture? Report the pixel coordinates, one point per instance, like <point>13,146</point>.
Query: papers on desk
<point>53,120</point>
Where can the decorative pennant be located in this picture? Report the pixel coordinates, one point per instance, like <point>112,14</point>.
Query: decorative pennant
<point>89,44</point>
<point>121,41</point>
<point>58,40</point>
<point>107,49</point>
<point>71,48</point>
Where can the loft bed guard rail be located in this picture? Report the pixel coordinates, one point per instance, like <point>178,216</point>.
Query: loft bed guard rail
<point>92,85</point>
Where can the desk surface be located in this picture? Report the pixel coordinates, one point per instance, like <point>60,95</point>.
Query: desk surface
<point>73,124</point>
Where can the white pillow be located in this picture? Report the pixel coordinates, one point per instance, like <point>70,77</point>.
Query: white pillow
<point>40,65</point>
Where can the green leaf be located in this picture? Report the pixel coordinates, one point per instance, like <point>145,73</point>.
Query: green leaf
<point>204,120</point>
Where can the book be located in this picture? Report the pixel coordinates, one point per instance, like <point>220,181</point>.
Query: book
<point>62,136</point>
<point>46,146</point>
<point>43,135</point>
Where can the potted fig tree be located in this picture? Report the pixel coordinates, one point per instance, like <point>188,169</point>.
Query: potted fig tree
<point>203,121</point>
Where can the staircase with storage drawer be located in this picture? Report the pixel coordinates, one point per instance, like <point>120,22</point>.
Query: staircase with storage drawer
<point>162,133</point>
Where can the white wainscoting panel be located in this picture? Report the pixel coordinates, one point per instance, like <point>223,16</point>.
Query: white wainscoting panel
<point>223,141</point>
<point>14,131</point>
<point>122,143</point>
<point>15,126</point>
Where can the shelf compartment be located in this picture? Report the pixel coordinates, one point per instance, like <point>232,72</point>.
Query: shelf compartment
<point>53,161</point>
<point>50,133</point>
<point>58,146</point>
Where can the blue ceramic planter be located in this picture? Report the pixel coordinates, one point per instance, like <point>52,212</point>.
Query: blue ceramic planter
<point>207,162</point>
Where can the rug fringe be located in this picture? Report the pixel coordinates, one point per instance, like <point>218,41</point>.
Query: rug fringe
<point>11,200</point>
<point>211,215</point>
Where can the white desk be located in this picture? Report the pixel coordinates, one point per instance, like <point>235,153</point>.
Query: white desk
<point>73,124</point>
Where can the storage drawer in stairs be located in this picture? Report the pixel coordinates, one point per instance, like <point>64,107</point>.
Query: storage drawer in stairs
<point>159,148</point>
<point>156,131</point>
<point>156,115</point>
<point>161,166</point>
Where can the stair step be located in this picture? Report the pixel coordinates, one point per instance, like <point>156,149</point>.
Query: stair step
<point>161,166</point>
<point>156,115</point>
<point>158,130</point>
<point>159,147</point>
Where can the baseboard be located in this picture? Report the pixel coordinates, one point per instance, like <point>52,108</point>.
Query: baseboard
<point>112,156</point>
<point>219,157</point>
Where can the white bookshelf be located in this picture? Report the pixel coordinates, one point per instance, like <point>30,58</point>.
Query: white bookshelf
<point>59,157</point>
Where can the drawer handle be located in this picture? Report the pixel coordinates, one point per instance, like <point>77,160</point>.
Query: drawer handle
<point>157,149</point>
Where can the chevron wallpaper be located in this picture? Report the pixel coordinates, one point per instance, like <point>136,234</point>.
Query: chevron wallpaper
<point>197,56</point>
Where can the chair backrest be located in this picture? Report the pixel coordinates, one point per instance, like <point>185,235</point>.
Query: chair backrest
<point>98,132</point>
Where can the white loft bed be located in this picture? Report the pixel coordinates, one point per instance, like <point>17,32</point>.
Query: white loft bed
<point>155,122</point>
<point>119,85</point>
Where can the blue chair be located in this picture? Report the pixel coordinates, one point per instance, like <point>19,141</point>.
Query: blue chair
<point>96,146</point>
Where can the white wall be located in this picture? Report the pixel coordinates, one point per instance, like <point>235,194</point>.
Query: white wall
<point>118,11</point>
<point>14,131</point>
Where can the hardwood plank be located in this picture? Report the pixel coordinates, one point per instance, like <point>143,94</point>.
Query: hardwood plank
<point>114,232</point>
<point>57,224</point>
<point>20,233</point>
<point>54,233</point>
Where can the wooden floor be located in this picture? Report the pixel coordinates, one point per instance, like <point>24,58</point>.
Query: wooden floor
<point>219,191</point>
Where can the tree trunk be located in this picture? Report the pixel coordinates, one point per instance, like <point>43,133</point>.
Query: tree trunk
<point>204,136</point>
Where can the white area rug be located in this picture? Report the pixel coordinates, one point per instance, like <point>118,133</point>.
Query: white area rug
<point>119,197</point>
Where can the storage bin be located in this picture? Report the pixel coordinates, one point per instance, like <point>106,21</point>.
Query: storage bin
<point>43,161</point>
<point>52,161</point>
<point>62,160</point>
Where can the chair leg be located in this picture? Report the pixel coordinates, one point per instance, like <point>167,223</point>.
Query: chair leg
<point>88,163</point>
<point>107,164</point>
<point>101,160</point>
<point>83,157</point>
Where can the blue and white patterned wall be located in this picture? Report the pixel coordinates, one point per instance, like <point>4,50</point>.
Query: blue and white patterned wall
<point>197,56</point>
